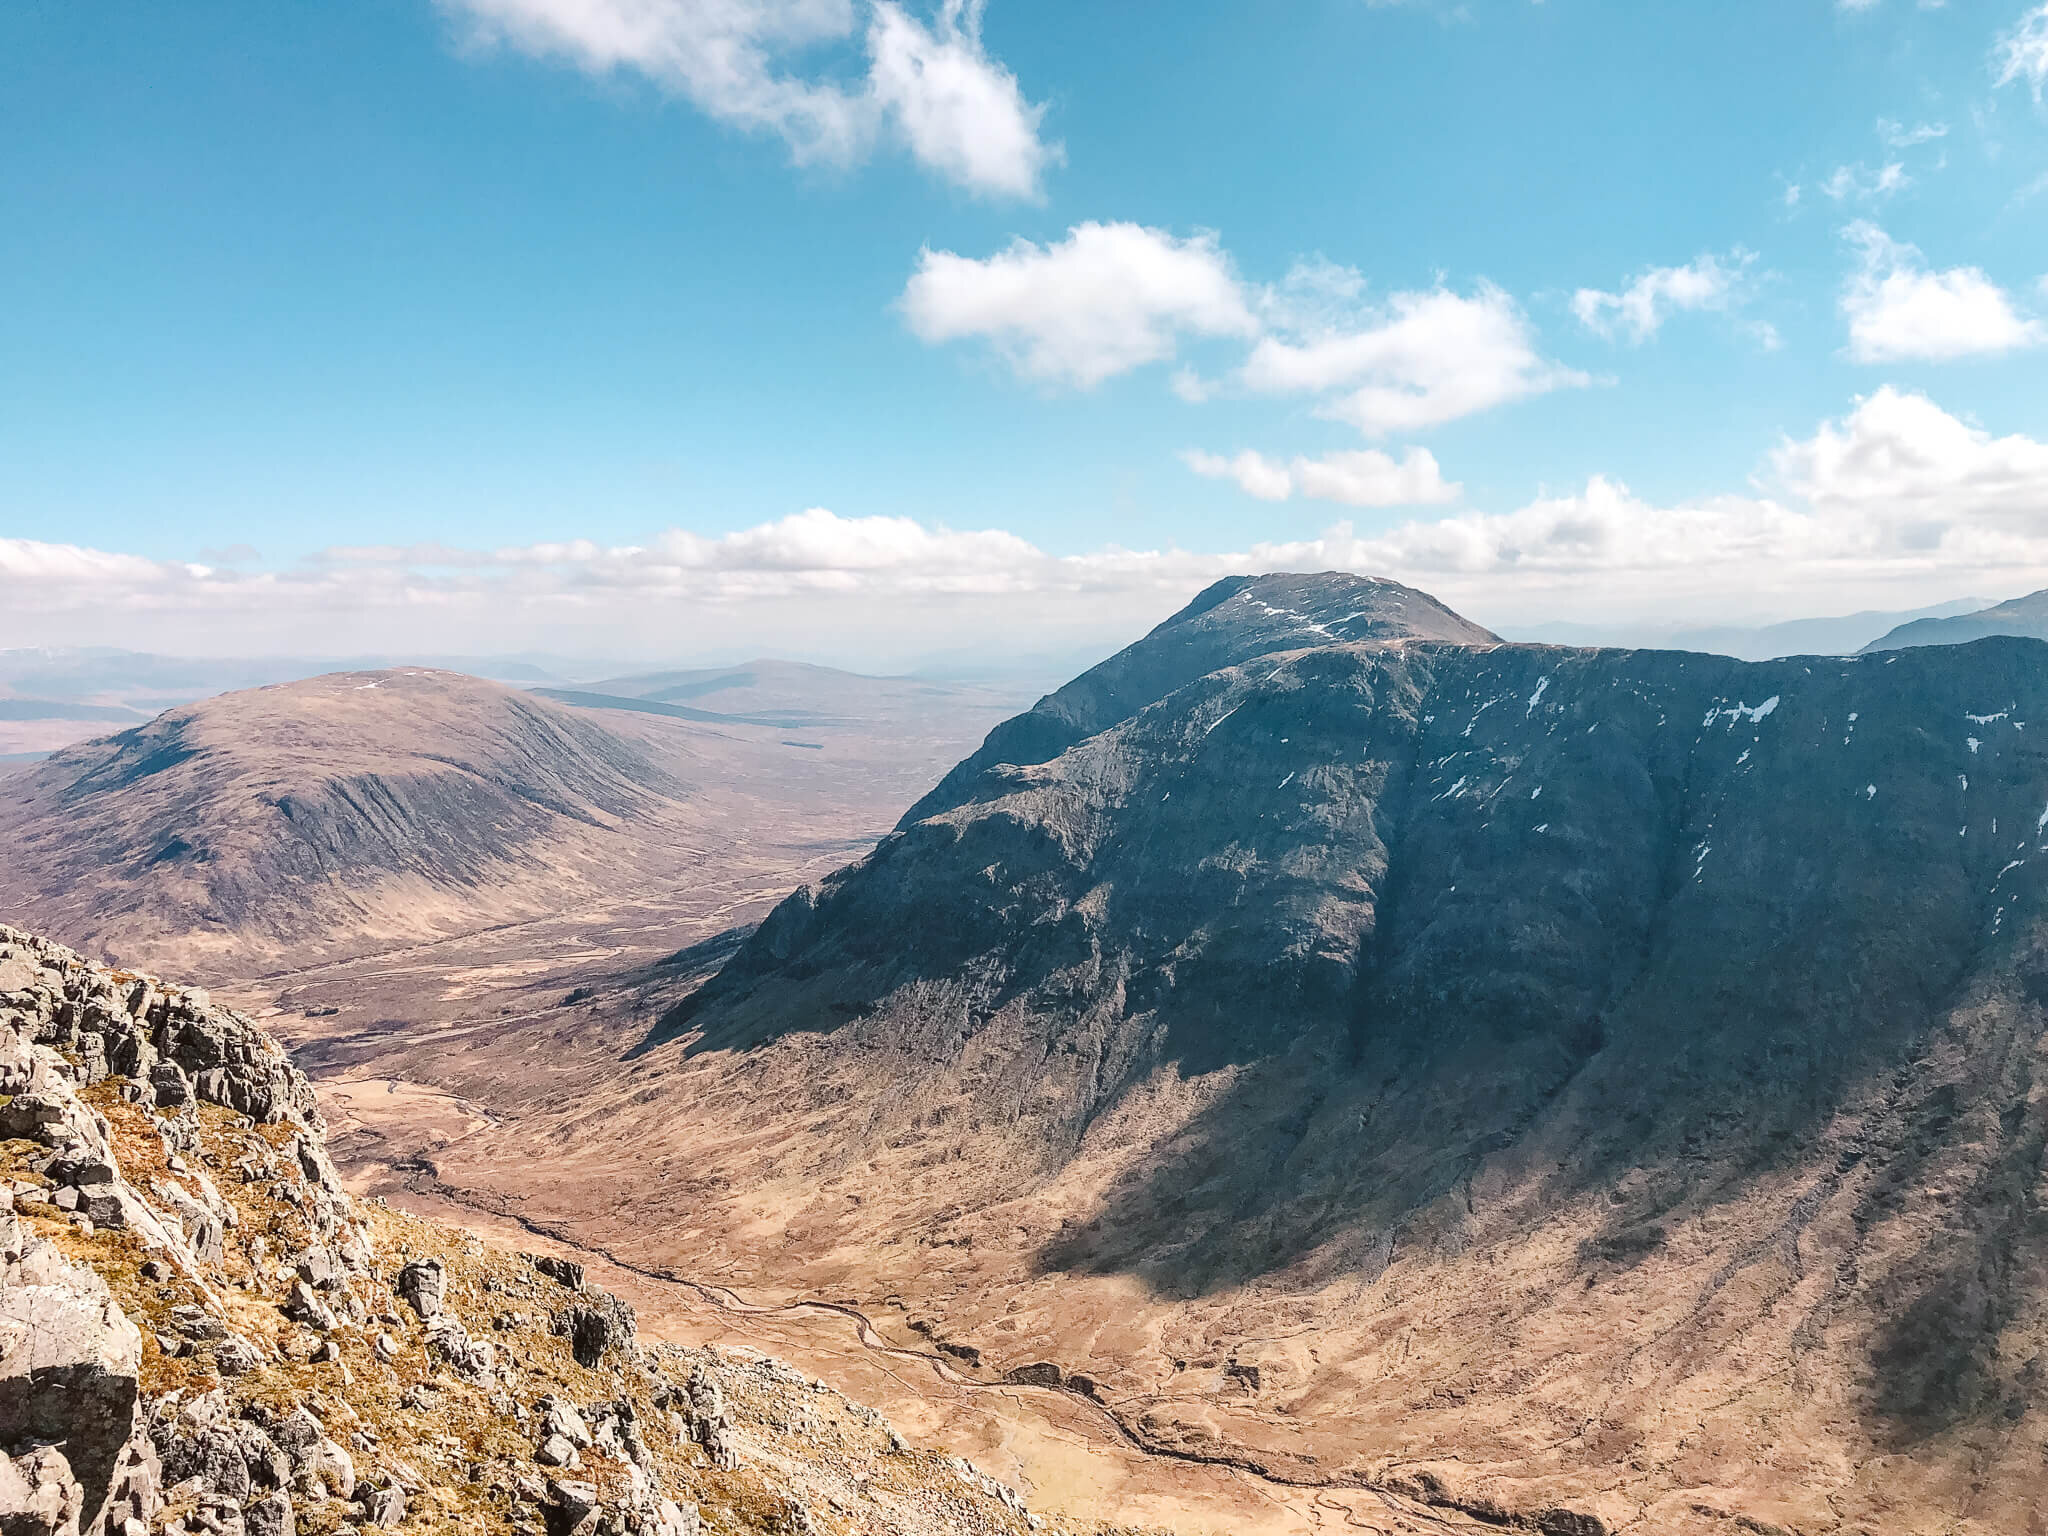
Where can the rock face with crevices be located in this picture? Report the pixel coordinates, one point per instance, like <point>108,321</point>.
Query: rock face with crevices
<point>1584,1087</point>
<point>202,1334</point>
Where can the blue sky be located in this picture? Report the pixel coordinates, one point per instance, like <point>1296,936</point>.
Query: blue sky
<point>456,286</point>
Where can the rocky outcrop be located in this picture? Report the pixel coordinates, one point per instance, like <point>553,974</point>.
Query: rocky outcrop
<point>202,1334</point>
<point>70,1394</point>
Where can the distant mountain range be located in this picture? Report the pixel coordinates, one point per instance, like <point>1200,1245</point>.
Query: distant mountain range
<point>784,693</point>
<point>1841,636</point>
<point>50,698</point>
<point>2025,616</point>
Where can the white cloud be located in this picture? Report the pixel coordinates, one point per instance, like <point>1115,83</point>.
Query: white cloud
<point>1366,478</point>
<point>1641,309</point>
<point>962,113</point>
<point>1902,459</point>
<point>1105,300</point>
<point>1895,500</point>
<point>1858,183</point>
<point>1897,135</point>
<point>1255,474</point>
<point>1369,478</point>
<point>1893,504</point>
<point>2022,53</point>
<point>1418,361</point>
<point>1113,297</point>
<point>1898,309</point>
<point>751,63</point>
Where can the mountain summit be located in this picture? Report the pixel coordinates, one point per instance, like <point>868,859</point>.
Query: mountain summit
<point>1233,621</point>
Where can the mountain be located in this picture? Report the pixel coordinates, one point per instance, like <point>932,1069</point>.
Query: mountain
<point>1233,621</point>
<point>318,814</point>
<point>1840,636</point>
<point>53,696</point>
<point>205,1332</point>
<point>2027,616</point>
<point>1594,1090</point>
<point>88,674</point>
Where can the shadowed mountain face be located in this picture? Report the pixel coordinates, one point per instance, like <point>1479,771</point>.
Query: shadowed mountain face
<point>1235,620</point>
<point>405,801</point>
<point>2023,616</point>
<point>1640,1035</point>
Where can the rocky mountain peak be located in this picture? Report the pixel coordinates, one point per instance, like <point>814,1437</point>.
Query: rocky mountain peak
<point>1233,621</point>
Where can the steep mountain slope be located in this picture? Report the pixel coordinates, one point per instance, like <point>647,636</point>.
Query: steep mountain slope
<point>2024,616</point>
<point>1235,620</point>
<point>1597,1088</point>
<point>404,802</point>
<point>200,1332</point>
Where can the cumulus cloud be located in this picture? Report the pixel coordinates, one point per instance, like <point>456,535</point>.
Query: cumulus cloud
<point>1898,309</point>
<point>1640,310</point>
<point>1902,458</point>
<point>1255,474</point>
<point>961,113</point>
<point>1367,478</point>
<point>1105,300</point>
<point>1870,509</point>
<point>753,64</point>
<point>1419,360</point>
<point>2022,53</point>
<point>1114,297</point>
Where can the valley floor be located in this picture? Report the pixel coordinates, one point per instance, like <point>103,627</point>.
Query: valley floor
<point>1064,1456</point>
<point>416,1032</point>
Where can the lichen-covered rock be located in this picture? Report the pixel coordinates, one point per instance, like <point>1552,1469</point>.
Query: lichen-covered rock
<point>566,1271</point>
<point>604,1323</point>
<point>69,1368</point>
<point>423,1284</point>
<point>449,1342</point>
<point>270,1515</point>
<point>38,1494</point>
<point>385,1506</point>
<point>710,1422</point>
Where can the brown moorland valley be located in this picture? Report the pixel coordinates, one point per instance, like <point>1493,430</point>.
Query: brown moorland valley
<point>1583,1091</point>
